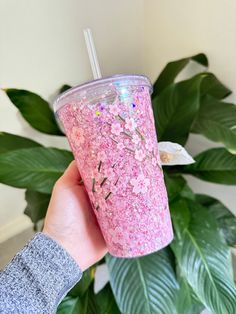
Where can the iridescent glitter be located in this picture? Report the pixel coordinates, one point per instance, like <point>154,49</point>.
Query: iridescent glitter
<point>110,128</point>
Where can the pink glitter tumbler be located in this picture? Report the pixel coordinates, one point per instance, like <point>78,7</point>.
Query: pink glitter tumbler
<point>110,127</point>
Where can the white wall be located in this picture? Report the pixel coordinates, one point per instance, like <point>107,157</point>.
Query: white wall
<point>177,29</point>
<point>42,47</point>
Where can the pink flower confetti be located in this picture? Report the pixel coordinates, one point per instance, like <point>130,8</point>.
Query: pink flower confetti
<point>154,161</point>
<point>109,173</point>
<point>126,142</point>
<point>96,175</point>
<point>120,146</point>
<point>114,109</point>
<point>102,156</point>
<point>149,144</point>
<point>77,135</point>
<point>140,185</point>
<point>102,203</point>
<point>136,139</point>
<point>117,235</point>
<point>113,189</point>
<point>116,128</point>
<point>98,188</point>
<point>130,124</point>
<point>139,154</point>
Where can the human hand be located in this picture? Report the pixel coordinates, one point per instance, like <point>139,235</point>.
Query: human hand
<point>71,222</point>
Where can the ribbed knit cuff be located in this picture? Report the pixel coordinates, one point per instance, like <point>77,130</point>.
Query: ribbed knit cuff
<point>39,276</point>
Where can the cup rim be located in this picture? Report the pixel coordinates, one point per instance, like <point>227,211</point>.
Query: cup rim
<point>109,79</point>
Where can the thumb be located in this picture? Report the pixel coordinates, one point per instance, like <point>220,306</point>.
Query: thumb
<point>71,175</point>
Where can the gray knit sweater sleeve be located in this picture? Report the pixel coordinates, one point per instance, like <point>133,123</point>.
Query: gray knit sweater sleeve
<point>37,278</point>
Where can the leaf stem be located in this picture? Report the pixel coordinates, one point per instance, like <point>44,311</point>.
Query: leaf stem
<point>99,166</point>
<point>129,149</point>
<point>113,140</point>
<point>121,118</point>
<point>103,181</point>
<point>93,186</point>
<point>108,195</point>
<point>127,134</point>
<point>140,134</point>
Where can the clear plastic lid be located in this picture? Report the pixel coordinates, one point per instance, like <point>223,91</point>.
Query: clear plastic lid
<point>116,81</point>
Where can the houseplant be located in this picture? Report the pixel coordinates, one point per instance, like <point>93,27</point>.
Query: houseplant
<point>195,271</point>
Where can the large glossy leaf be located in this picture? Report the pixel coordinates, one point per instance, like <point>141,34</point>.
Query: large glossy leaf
<point>204,258</point>
<point>82,286</point>
<point>174,185</point>
<point>213,87</point>
<point>33,168</point>
<point>225,219</point>
<point>186,302</point>
<point>70,305</point>
<point>79,305</point>
<point>35,110</point>
<point>37,204</point>
<point>180,216</point>
<point>172,69</point>
<point>64,88</point>
<point>89,303</point>
<point>176,108</point>
<point>217,121</point>
<point>144,285</point>
<point>187,192</point>
<point>10,141</point>
<point>106,302</point>
<point>214,165</point>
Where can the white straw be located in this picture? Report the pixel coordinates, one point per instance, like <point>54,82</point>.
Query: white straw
<point>92,53</point>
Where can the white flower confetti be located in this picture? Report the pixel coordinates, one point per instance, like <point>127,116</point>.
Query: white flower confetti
<point>101,277</point>
<point>174,154</point>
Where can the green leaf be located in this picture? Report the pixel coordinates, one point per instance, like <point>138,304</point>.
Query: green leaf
<point>64,88</point>
<point>70,305</point>
<point>204,260</point>
<point>33,168</point>
<point>144,285</point>
<point>176,108</point>
<point>213,87</point>
<point>225,219</point>
<point>174,185</point>
<point>172,69</point>
<point>217,121</point>
<point>89,303</point>
<point>186,301</point>
<point>188,193</point>
<point>37,205</point>
<point>10,141</point>
<point>79,305</point>
<point>214,165</point>
<point>180,215</point>
<point>82,286</point>
<point>35,110</point>
<point>106,301</point>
